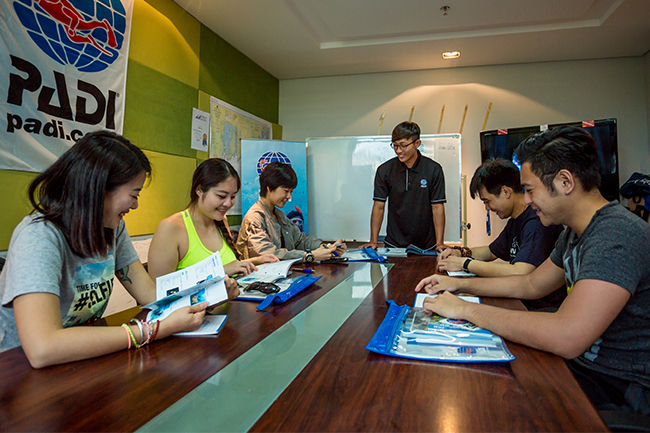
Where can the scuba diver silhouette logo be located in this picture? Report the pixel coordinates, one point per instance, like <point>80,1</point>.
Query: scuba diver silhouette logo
<point>82,33</point>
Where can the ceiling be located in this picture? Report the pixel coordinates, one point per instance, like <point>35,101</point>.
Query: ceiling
<point>314,38</point>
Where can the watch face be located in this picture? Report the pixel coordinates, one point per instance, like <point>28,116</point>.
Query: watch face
<point>309,258</point>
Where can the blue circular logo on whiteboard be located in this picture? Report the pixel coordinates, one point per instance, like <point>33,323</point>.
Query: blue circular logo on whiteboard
<point>86,34</point>
<point>269,157</point>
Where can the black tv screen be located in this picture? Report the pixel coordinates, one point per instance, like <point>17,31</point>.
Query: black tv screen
<point>501,143</point>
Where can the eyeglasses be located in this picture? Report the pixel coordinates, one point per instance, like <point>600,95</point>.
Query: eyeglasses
<point>396,146</point>
<point>266,288</point>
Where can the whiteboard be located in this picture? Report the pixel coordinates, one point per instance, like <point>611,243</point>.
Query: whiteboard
<point>340,183</point>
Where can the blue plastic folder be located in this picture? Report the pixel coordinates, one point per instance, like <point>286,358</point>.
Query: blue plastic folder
<point>364,255</point>
<point>407,332</point>
<point>296,286</point>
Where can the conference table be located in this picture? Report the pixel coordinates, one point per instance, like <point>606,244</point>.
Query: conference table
<point>297,366</point>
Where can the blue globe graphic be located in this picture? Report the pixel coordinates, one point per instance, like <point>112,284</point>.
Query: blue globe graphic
<point>86,34</point>
<point>269,157</point>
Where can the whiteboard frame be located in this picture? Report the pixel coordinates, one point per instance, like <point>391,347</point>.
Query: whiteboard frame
<point>338,167</point>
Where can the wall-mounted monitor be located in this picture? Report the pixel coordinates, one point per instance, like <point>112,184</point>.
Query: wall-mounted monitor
<point>501,143</point>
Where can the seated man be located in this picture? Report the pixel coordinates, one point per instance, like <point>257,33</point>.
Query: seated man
<point>603,325</point>
<point>523,244</point>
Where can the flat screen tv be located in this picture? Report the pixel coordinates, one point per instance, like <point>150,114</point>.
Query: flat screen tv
<point>501,143</point>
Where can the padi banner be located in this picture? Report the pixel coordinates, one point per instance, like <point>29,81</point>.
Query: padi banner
<point>62,75</point>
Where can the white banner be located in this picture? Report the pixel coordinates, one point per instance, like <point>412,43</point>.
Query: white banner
<point>62,75</point>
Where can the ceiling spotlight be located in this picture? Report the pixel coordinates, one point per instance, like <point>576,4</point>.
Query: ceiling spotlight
<point>444,9</point>
<point>450,55</point>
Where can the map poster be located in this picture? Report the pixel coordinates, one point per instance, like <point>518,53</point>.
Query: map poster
<point>228,126</point>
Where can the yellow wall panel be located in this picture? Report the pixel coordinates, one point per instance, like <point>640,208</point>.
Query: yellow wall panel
<point>167,39</point>
<point>14,204</point>
<point>168,192</point>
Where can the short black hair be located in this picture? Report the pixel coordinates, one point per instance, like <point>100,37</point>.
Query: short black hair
<point>70,193</point>
<point>275,175</point>
<point>493,174</point>
<point>406,130</point>
<point>564,147</point>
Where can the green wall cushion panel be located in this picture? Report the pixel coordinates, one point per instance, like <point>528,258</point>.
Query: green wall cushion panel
<point>15,204</point>
<point>158,112</point>
<point>168,192</point>
<point>232,77</point>
<point>166,38</point>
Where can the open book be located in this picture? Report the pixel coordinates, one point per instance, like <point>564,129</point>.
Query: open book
<point>200,282</point>
<point>268,272</point>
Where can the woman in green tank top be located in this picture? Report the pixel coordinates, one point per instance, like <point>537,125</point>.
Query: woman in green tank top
<point>189,236</point>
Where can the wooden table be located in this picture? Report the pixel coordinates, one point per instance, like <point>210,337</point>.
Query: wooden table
<point>342,388</point>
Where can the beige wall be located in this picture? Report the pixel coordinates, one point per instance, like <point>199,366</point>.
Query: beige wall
<point>521,95</point>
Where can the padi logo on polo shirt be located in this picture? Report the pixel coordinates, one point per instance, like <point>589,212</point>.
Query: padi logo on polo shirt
<point>423,183</point>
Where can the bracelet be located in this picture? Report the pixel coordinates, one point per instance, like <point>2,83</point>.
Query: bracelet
<point>128,334</point>
<point>135,342</point>
<point>139,324</point>
<point>464,251</point>
<point>155,332</point>
<point>466,264</point>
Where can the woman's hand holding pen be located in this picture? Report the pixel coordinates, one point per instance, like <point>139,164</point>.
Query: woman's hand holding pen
<point>324,252</point>
<point>340,245</point>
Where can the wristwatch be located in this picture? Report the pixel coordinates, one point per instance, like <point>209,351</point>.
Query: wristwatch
<point>309,256</point>
<point>466,264</point>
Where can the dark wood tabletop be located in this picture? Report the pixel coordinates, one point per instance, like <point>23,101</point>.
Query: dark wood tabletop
<point>343,388</point>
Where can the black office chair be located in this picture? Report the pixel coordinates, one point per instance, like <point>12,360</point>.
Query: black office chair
<point>621,421</point>
<point>2,263</point>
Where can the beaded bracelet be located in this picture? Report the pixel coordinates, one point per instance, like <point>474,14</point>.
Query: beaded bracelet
<point>128,336</point>
<point>135,342</point>
<point>139,324</point>
<point>464,251</point>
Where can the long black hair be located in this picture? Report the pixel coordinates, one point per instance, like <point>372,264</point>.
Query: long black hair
<point>209,174</point>
<point>70,193</point>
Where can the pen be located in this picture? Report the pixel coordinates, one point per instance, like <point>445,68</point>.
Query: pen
<point>309,271</point>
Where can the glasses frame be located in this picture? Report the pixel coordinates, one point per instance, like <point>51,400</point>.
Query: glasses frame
<point>396,146</point>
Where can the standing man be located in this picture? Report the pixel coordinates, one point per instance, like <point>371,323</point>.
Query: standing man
<point>603,326</point>
<point>523,244</point>
<point>414,187</point>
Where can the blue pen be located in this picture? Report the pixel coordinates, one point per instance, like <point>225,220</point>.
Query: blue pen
<point>309,271</point>
<point>335,253</point>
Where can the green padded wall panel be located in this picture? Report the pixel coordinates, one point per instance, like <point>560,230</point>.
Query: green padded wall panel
<point>15,204</point>
<point>230,76</point>
<point>167,193</point>
<point>158,112</point>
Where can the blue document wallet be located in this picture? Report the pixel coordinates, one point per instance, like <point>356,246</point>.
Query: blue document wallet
<point>412,249</point>
<point>408,332</point>
<point>364,255</point>
<point>286,289</point>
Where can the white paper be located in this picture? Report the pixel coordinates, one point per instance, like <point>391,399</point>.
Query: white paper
<point>460,274</point>
<point>200,130</point>
<point>419,299</point>
<point>211,325</point>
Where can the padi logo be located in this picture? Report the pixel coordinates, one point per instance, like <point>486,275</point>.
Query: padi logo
<point>269,157</point>
<point>423,183</point>
<point>201,117</point>
<point>83,33</point>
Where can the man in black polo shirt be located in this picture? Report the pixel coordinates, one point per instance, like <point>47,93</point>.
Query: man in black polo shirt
<point>414,187</point>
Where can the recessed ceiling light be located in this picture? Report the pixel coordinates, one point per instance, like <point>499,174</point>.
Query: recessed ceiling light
<point>450,55</point>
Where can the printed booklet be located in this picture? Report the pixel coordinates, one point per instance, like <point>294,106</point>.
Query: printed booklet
<point>200,282</point>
